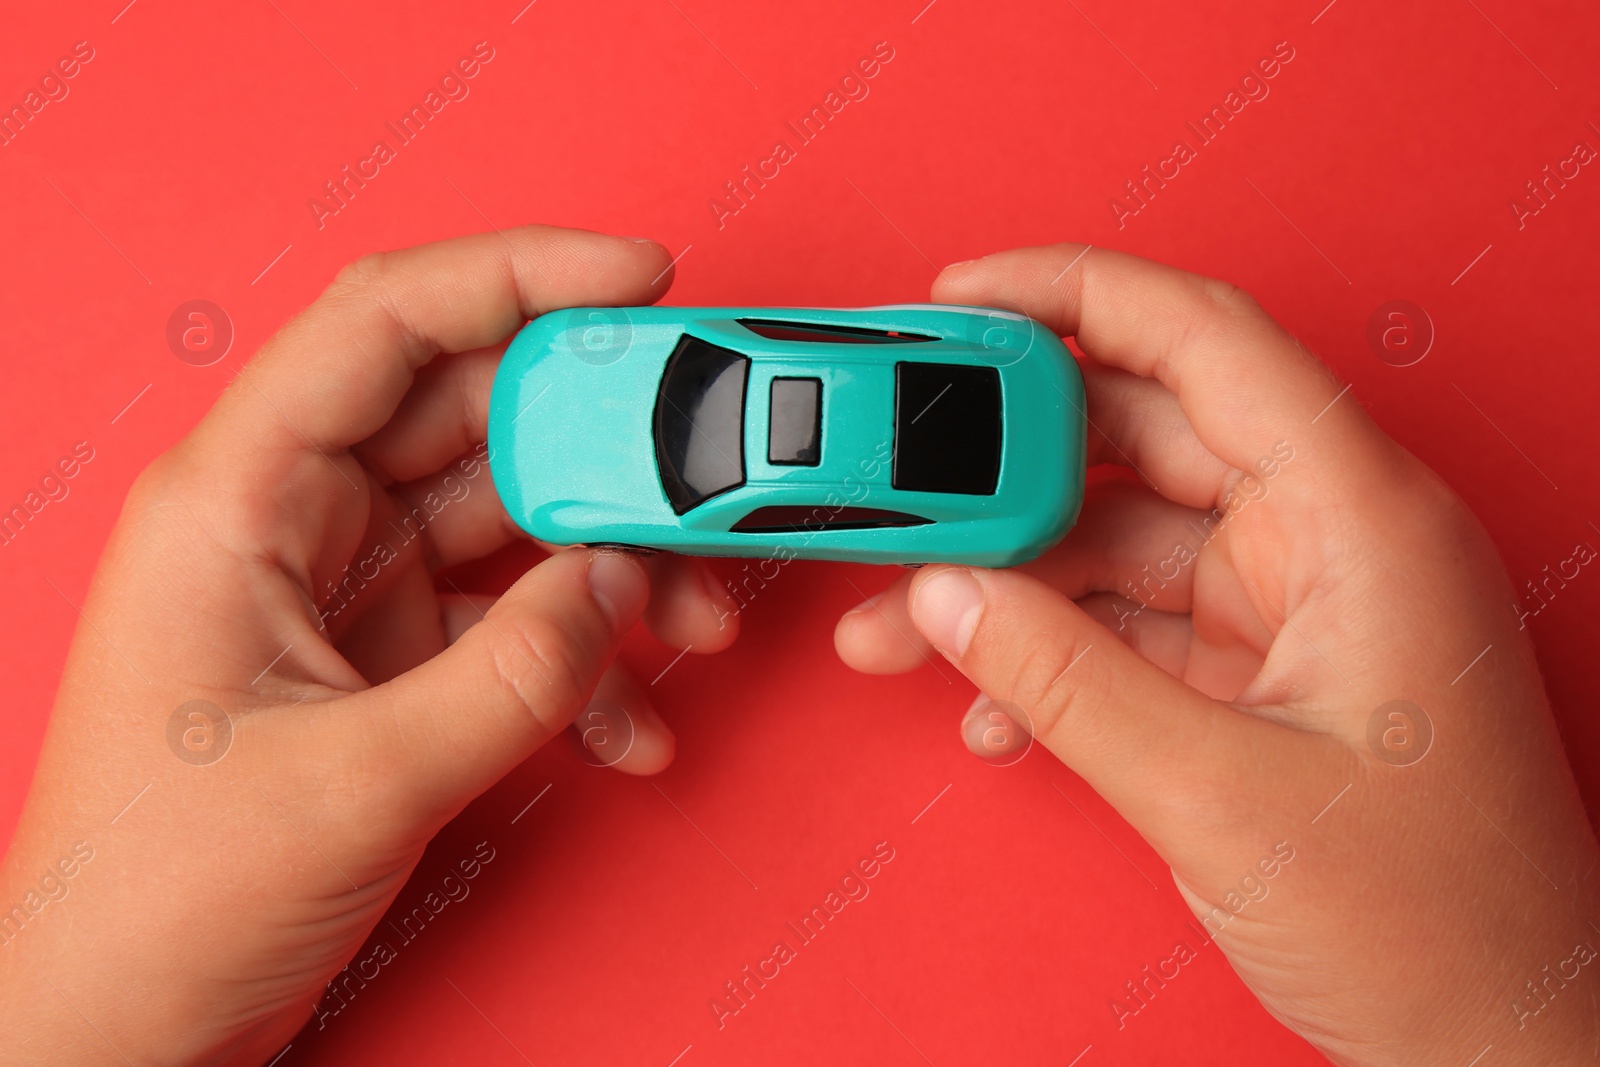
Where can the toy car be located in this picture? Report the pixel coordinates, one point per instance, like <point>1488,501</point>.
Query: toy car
<point>908,434</point>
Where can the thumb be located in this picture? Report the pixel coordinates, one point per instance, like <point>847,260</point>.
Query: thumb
<point>1141,738</point>
<point>516,678</point>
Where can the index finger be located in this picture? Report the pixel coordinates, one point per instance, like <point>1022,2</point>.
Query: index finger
<point>1244,383</point>
<point>336,373</point>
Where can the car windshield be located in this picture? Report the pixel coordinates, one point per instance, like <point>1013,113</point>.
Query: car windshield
<point>699,423</point>
<point>947,428</point>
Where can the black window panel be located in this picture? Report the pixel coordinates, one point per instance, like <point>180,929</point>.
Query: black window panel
<point>699,422</point>
<point>794,422</point>
<point>803,518</point>
<point>947,428</point>
<point>827,333</point>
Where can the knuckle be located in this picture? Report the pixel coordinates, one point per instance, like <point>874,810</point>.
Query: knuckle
<point>363,272</point>
<point>1053,679</point>
<point>539,667</point>
<point>1229,297</point>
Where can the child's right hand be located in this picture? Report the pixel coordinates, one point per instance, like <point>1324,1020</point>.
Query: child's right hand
<point>1227,685</point>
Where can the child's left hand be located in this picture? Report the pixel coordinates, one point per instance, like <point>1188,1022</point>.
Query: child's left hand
<point>270,565</point>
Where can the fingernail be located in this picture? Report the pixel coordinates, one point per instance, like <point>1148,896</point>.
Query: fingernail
<point>618,585</point>
<point>867,604</point>
<point>946,609</point>
<point>642,240</point>
<point>958,263</point>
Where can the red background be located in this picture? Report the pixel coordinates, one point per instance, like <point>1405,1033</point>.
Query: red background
<point>1380,167</point>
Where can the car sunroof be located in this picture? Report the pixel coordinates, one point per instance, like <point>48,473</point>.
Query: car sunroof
<point>947,428</point>
<point>827,333</point>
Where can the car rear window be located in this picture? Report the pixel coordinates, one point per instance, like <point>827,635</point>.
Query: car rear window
<point>947,428</point>
<point>699,422</point>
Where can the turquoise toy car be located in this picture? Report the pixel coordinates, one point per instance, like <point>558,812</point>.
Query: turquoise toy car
<point>909,434</point>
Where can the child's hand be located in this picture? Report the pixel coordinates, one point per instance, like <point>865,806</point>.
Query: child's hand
<point>234,866</point>
<point>1226,682</point>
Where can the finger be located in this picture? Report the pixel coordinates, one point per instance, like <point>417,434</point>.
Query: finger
<point>444,414</point>
<point>1137,423</point>
<point>1243,382</point>
<point>1216,663</point>
<point>456,511</point>
<point>1130,541</point>
<point>460,612</point>
<point>621,729</point>
<point>1140,737</point>
<point>337,373</point>
<point>457,723</point>
<point>877,636</point>
<point>690,607</point>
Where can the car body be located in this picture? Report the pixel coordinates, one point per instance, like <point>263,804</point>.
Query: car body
<point>901,434</point>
